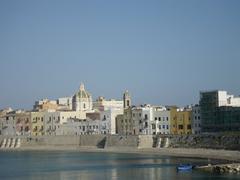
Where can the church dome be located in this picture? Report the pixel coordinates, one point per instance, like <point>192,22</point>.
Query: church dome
<point>82,100</point>
<point>82,93</point>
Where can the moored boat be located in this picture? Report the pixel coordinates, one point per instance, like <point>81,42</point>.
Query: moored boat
<point>185,167</point>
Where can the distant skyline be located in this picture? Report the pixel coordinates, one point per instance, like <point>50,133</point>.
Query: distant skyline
<point>163,52</point>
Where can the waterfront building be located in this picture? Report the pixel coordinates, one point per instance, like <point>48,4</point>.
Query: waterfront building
<point>108,120</point>
<point>219,111</point>
<point>161,120</point>
<point>3,113</point>
<point>102,104</point>
<point>146,120</point>
<point>23,123</point>
<point>137,120</point>
<point>8,124</point>
<point>120,125</point>
<point>82,100</point>
<point>180,120</point>
<point>196,119</point>
<point>75,126</point>
<point>37,121</point>
<point>125,123</point>
<point>53,120</point>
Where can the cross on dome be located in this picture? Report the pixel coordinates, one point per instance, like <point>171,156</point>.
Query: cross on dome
<point>81,87</point>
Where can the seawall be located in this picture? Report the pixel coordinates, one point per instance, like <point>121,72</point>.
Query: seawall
<point>226,142</point>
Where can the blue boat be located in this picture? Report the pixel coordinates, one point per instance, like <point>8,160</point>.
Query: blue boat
<point>185,167</point>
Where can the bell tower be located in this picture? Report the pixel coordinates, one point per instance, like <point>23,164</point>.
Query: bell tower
<point>126,100</point>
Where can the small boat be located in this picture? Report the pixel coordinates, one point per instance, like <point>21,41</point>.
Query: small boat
<point>185,167</point>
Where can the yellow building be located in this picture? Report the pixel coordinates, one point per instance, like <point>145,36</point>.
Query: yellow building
<point>37,121</point>
<point>180,121</point>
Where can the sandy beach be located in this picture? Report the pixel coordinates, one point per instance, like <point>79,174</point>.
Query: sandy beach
<point>228,155</point>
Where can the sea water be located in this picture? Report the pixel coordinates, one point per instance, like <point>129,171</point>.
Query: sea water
<point>64,165</point>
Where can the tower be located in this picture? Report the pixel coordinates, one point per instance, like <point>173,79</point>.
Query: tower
<point>126,100</point>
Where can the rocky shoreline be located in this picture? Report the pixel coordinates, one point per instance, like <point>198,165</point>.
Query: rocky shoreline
<point>233,168</point>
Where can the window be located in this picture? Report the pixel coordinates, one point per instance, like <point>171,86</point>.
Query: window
<point>163,118</point>
<point>145,116</point>
<point>167,126</point>
<point>180,126</point>
<point>155,118</point>
<point>159,126</point>
<point>159,118</point>
<point>167,118</point>
<point>146,124</point>
<point>84,106</point>
<point>163,126</point>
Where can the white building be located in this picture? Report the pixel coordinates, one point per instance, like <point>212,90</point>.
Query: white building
<point>102,104</point>
<point>65,103</point>
<point>108,120</point>
<point>161,121</point>
<point>196,119</point>
<point>8,124</point>
<point>150,120</point>
<point>53,120</point>
<point>75,126</point>
<point>82,100</point>
<point>147,118</point>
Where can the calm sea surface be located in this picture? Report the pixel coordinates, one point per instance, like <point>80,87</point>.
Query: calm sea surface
<point>77,165</point>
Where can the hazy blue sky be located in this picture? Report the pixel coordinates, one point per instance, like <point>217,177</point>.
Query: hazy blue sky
<point>163,52</point>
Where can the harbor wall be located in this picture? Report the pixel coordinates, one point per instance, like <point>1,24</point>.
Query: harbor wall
<point>228,142</point>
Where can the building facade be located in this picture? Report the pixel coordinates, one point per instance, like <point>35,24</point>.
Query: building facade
<point>75,126</point>
<point>219,111</point>
<point>161,121</point>
<point>8,124</point>
<point>23,123</point>
<point>102,104</point>
<point>196,119</point>
<point>108,120</point>
<point>180,120</point>
<point>37,122</point>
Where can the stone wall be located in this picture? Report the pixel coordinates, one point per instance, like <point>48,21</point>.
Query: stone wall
<point>229,142</point>
<point>145,141</point>
<point>211,141</point>
<point>118,141</point>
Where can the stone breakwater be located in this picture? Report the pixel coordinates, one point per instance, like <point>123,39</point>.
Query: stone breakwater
<point>222,168</point>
